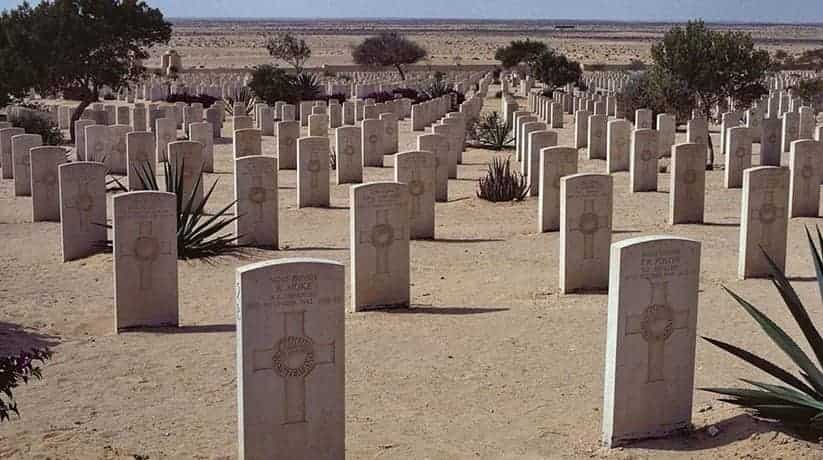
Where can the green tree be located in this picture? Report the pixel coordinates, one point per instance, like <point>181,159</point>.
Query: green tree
<point>272,84</point>
<point>811,91</point>
<point>290,49</point>
<point>555,70</point>
<point>388,49</point>
<point>79,46</point>
<point>520,52</point>
<point>709,65</point>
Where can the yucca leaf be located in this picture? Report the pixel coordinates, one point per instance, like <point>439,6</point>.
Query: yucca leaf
<point>795,306</point>
<point>787,394</point>
<point>784,342</point>
<point>764,365</point>
<point>816,258</point>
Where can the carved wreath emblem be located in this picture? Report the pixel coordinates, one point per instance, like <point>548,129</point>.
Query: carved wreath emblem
<point>294,357</point>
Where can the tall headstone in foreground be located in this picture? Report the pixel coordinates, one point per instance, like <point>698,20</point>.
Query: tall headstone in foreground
<point>21,146</point>
<point>291,360</point>
<point>379,232</point>
<point>82,208</point>
<point>585,231</point>
<point>650,338</point>
<point>255,189</point>
<point>348,147</point>
<point>417,169</point>
<point>6,158</point>
<point>312,172</point>
<point>805,160</point>
<point>287,134</point>
<point>45,197</point>
<point>687,193</point>
<point>555,162</point>
<point>643,160</point>
<point>145,259</point>
<point>763,220</point>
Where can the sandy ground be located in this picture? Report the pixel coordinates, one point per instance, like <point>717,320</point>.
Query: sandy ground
<point>491,362</point>
<point>231,44</point>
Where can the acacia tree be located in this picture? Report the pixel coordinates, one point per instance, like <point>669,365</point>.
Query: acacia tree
<point>709,65</point>
<point>290,49</point>
<point>388,49</point>
<point>554,69</point>
<point>520,52</point>
<point>79,46</point>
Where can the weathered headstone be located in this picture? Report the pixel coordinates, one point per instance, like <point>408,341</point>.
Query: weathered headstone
<point>287,134</point>
<point>203,133</point>
<point>666,133</point>
<point>6,158</point>
<point>738,155</point>
<point>581,129</point>
<point>643,119</point>
<point>650,338</point>
<point>597,137</point>
<point>538,140</point>
<point>255,188</point>
<point>98,143</point>
<point>439,146</point>
<point>45,193</point>
<point>763,220</point>
<point>116,160</point>
<point>372,130</point>
<point>585,231</point>
<point>140,155</point>
<point>312,172</point>
<point>643,160</point>
<point>618,145</point>
<point>697,132</point>
<point>687,192</point>
<point>390,135</point>
<point>348,147</point>
<point>805,159</point>
<point>380,266</point>
<point>21,146</point>
<point>186,158</point>
<point>555,163</point>
<point>318,125</point>
<point>79,138</point>
<point>145,259</point>
<point>770,148</point>
<point>82,188</point>
<point>291,360</point>
<point>247,142</point>
<point>791,129</point>
<point>242,122</point>
<point>417,171</point>
<point>166,133</point>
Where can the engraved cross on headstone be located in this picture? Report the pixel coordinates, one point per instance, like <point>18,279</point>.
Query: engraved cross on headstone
<point>293,358</point>
<point>83,202</point>
<point>767,214</point>
<point>589,223</point>
<point>382,237</point>
<point>259,194</point>
<point>655,325</point>
<point>314,167</point>
<point>145,249</point>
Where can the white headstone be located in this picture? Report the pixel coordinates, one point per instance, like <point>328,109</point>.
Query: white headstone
<point>763,220</point>
<point>585,231</point>
<point>255,187</point>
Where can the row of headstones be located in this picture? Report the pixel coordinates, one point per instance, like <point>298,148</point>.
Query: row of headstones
<point>291,339</point>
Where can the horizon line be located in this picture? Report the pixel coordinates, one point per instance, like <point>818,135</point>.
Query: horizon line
<point>388,18</point>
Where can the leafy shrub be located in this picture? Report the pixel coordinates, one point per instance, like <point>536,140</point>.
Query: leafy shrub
<point>246,97</point>
<point>798,404</point>
<point>492,133</point>
<point>198,235</point>
<point>501,183</point>
<point>34,122</point>
<point>380,97</point>
<point>14,370</point>
<point>204,99</point>
<point>408,93</point>
<point>272,84</point>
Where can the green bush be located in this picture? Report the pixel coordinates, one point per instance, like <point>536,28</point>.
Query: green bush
<point>798,402</point>
<point>492,133</point>
<point>34,122</point>
<point>501,183</point>
<point>14,370</point>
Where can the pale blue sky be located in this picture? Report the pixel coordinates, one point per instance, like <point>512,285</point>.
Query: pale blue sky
<point>623,10</point>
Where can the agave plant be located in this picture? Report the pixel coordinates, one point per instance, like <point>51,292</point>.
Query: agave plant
<point>198,235</point>
<point>492,132</point>
<point>307,86</point>
<point>246,98</point>
<point>798,401</point>
<point>501,183</point>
